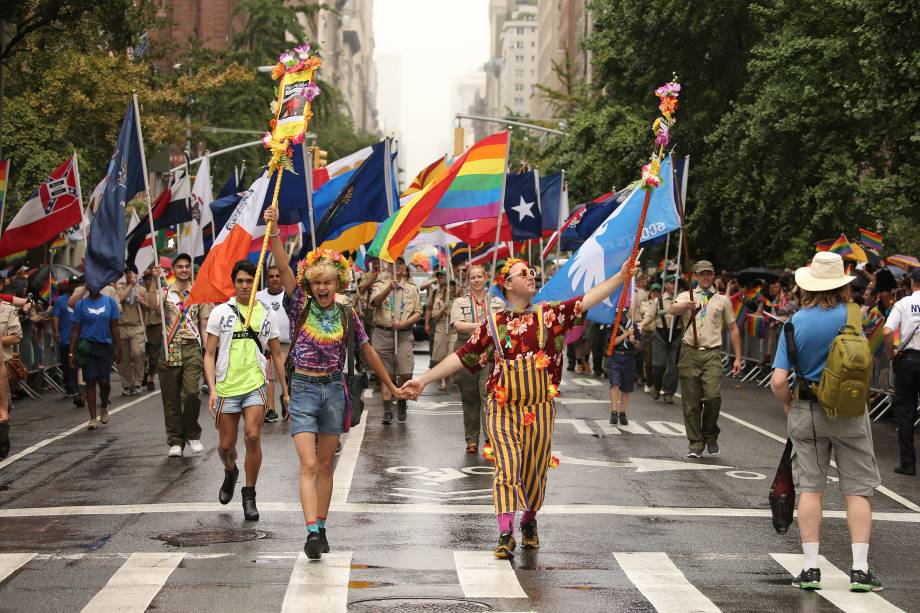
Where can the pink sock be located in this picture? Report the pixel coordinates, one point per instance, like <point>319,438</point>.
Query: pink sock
<point>528,516</point>
<point>506,522</point>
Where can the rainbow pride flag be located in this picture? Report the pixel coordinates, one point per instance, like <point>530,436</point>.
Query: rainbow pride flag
<point>841,246</point>
<point>824,245</point>
<point>49,290</point>
<point>756,326</point>
<point>871,240</point>
<point>739,307</point>
<point>4,176</point>
<point>470,189</point>
<point>874,329</point>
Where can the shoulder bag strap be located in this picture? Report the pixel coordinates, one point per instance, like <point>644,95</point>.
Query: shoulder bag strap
<point>247,331</point>
<point>789,335</point>
<point>661,314</point>
<point>349,332</point>
<point>301,318</point>
<point>541,331</point>
<point>493,331</point>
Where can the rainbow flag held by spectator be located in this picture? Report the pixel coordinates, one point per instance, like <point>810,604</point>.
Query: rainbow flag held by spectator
<point>4,176</point>
<point>756,326</point>
<point>874,330</point>
<point>871,240</point>
<point>841,246</point>
<point>49,290</point>
<point>824,245</point>
<point>739,307</point>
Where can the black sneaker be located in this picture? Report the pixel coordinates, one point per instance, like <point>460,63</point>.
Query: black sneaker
<point>322,535</point>
<point>4,440</point>
<point>271,416</point>
<point>864,582</point>
<point>225,495</point>
<point>656,393</point>
<point>314,546</point>
<point>506,545</point>
<point>712,448</point>
<point>669,398</point>
<point>808,579</point>
<point>623,420</point>
<point>614,419</point>
<point>906,470</point>
<point>530,539</point>
<point>387,412</point>
<point>401,410</point>
<point>695,454</point>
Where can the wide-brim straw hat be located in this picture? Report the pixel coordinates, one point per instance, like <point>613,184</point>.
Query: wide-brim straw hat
<point>825,273</point>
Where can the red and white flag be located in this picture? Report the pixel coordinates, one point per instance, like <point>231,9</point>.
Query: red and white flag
<point>54,207</point>
<point>213,283</point>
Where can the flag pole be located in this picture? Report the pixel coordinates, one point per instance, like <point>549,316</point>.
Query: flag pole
<point>3,203</point>
<point>682,246</point>
<point>388,187</point>
<point>501,208</point>
<point>308,182</point>
<point>188,177</point>
<point>153,242</point>
<point>536,180</point>
<point>76,168</point>
<point>559,223</point>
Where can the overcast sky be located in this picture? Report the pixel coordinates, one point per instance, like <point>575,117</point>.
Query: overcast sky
<point>423,48</point>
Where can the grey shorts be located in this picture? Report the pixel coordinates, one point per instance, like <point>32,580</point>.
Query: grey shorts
<point>815,436</point>
<point>399,364</point>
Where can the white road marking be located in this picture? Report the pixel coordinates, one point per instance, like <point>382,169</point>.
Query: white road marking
<point>418,497</point>
<point>662,583</point>
<point>586,382</point>
<point>481,575</point>
<point>418,491</point>
<point>880,489</point>
<point>11,562</point>
<point>368,393</point>
<point>348,459</point>
<point>135,584</point>
<point>667,427</point>
<point>320,586</point>
<point>74,430</point>
<point>642,465</point>
<point>581,425</point>
<point>835,586</point>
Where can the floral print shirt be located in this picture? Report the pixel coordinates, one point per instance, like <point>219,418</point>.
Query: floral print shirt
<point>320,343</point>
<point>521,328</point>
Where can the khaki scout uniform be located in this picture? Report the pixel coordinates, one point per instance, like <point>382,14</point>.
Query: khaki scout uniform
<point>700,366</point>
<point>180,372</point>
<point>472,386</point>
<point>399,305</point>
<point>154,327</point>
<point>440,326</point>
<point>9,326</point>
<point>131,333</point>
<point>657,323</point>
<point>367,309</point>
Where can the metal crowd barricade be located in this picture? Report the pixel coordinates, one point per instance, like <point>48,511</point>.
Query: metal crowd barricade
<point>39,356</point>
<point>881,384</point>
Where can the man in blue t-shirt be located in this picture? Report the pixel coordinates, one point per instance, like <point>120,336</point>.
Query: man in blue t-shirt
<point>94,343</point>
<point>816,437</point>
<point>62,315</point>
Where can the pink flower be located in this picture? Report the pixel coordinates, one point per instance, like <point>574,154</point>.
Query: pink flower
<point>664,137</point>
<point>297,140</point>
<point>302,51</point>
<point>668,90</point>
<point>267,140</point>
<point>287,59</point>
<point>649,178</point>
<point>517,326</point>
<point>549,317</point>
<point>310,92</point>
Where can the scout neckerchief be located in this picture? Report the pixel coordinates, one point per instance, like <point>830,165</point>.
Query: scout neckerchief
<point>477,316</point>
<point>706,294</point>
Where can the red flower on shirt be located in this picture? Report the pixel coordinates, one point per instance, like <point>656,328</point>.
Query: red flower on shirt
<point>529,418</point>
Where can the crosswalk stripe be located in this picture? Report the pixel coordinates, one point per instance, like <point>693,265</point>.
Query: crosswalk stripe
<point>662,583</point>
<point>135,584</point>
<point>320,586</point>
<point>482,575</point>
<point>835,586</point>
<point>11,562</point>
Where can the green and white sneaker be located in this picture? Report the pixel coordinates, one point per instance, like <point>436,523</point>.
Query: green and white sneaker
<point>864,582</point>
<point>808,579</point>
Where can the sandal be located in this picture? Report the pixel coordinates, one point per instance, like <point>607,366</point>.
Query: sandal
<point>472,448</point>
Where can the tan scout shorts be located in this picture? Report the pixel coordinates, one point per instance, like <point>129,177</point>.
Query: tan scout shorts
<point>814,436</point>
<point>404,363</point>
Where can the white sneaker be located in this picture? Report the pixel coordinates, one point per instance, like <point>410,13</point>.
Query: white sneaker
<point>93,424</point>
<point>175,451</point>
<point>196,446</point>
<point>648,389</point>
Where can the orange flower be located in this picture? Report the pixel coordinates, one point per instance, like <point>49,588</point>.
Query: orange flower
<point>313,63</point>
<point>541,360</point>
<point>668,105</point>
<point>487,453</point>
<point>277,71</point>
<point>553,462</point>
<point>552,391</point>
<point>529,418</point>
<point>501,396</point>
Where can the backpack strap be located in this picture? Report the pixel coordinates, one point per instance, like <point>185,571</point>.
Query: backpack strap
<point>789,335</point>
<point>349,337</point>
<point>854,318</point>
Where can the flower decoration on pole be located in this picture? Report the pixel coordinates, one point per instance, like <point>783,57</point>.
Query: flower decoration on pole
<point>295,72</point>
<point>668,95</point>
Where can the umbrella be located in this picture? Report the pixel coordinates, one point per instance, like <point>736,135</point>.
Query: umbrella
<point>754,273</point>
<point>39,278</point>
<point>905,262</point>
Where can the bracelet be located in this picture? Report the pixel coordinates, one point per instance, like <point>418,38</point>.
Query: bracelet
<point>276,234</point>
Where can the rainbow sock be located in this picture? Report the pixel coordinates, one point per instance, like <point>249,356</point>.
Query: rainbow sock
<point>321,522</point>
<point>312,527</point>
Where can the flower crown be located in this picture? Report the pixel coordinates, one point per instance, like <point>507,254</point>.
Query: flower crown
<point>502,275</point>
<point>323,256</point>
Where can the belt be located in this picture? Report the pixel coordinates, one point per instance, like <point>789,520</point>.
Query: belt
<point>702,348</point>
<point>333,376</point>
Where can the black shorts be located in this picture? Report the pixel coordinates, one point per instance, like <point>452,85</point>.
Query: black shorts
<point>98,365</point>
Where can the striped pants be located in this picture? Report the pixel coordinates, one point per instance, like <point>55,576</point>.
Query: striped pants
<point>522,454</point>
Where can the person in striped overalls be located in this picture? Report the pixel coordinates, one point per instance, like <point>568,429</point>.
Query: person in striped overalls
<point>524,344</point>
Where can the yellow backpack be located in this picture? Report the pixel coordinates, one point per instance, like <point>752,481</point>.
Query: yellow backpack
<point>844,387</point>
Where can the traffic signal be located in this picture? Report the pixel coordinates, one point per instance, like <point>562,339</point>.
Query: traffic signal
<point>319,157</point>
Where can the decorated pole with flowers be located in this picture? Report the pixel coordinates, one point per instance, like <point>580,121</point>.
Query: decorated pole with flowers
<point>295,72</point>
<point>651,179</point>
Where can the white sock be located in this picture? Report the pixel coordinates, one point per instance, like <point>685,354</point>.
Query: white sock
<point>811,555</point>
<point>860,556</point>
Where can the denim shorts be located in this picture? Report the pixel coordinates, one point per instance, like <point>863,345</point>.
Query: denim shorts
<point>317,404</point>
<point>622,370</point>
<point>236,404</point>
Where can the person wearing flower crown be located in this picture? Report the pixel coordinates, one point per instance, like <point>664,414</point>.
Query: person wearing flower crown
<point>319,404</point>
<point>524,379</point>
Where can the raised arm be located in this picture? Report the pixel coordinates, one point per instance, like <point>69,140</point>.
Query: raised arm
<point>279,254</point>
<point>598,293</point>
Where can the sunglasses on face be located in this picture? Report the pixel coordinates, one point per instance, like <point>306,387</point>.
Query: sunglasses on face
<point>527,272</point>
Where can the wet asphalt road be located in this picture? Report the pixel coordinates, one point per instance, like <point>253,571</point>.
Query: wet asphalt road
<point>628,525</point>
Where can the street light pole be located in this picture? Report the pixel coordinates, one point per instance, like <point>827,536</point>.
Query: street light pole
<point>509,122</point>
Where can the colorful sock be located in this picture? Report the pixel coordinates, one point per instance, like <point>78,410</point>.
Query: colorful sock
<point>321,522</point>
<point>312,527</point>
<point>528,516</point>
<point>860,556</point>
<point>506,522</point>
<point>811,555</point>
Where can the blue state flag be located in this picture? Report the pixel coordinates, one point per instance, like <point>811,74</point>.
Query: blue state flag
<point>105,247</point>
<point>550,201</point>
<point>603,253</point>
<point>521,208</point>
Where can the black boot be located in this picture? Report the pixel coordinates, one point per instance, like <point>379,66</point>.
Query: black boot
<point>401,413</point>
<point>322,535</point>
<point>225,494</point>
<point>250,512</point>
<point>314,546</point>
<point>387,412</point>
<point>4,440</point>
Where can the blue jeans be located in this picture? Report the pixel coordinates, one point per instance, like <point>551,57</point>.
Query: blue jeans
<point>317,404</point>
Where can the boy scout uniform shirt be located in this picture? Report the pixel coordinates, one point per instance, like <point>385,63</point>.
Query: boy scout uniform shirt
<point>408,303</point>
<point>189,330</point>
<point>132,314</point>
<point>715,314</point>
<point>653,314</point>
<point>462,310</point>
<point>9,326</point>
<point>905,318</point>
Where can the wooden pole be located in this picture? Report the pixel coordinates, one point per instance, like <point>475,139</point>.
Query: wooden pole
<point>308,181</point>
<point>683,244</point>
<point>501,208</point>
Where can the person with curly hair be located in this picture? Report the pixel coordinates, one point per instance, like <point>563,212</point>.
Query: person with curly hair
<point>523,344</point>
<point>319,410</point>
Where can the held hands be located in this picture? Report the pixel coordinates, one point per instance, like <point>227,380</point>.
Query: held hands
<point>413,389</point>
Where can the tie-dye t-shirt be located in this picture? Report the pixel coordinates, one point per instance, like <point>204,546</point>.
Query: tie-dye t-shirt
<point>320,342</point>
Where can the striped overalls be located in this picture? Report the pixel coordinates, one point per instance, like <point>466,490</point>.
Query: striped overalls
<point>521,427</point>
